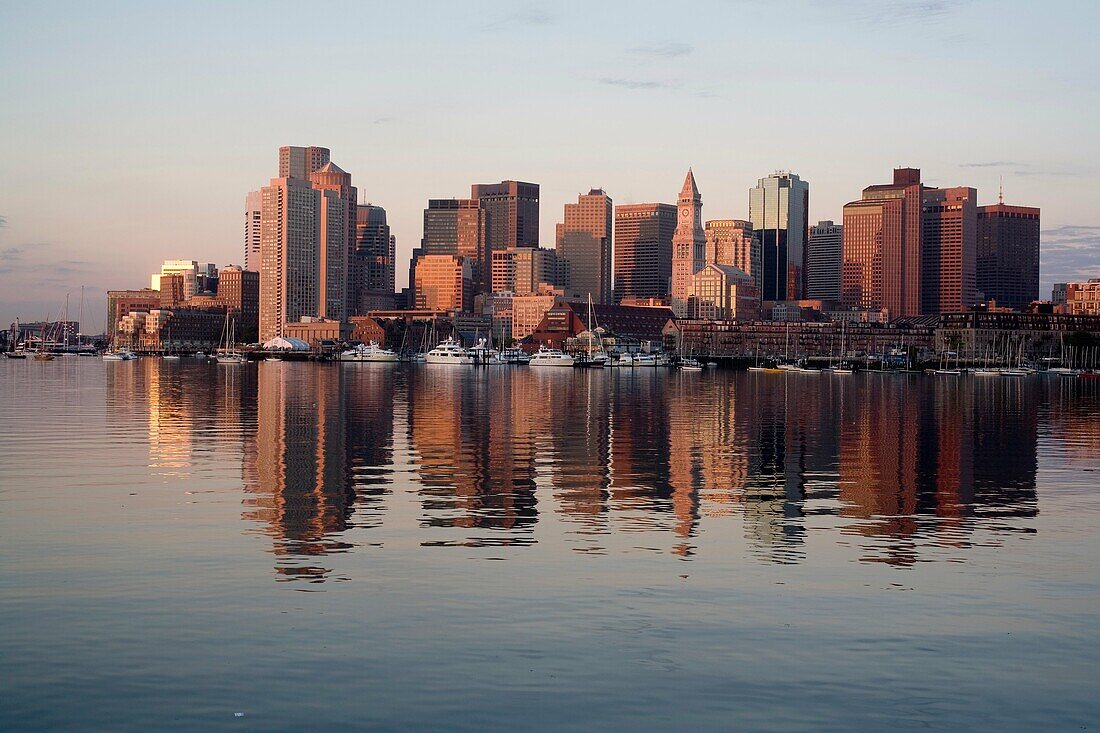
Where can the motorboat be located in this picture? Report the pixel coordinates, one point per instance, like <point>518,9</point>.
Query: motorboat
<point>551,357</point>
<point>119,355</point>
<point>691,365</point>
<point>369,352</point>
<point>514,356</point>
<point>448,352</point>
<point>484,354</point>
<point>594,359</point>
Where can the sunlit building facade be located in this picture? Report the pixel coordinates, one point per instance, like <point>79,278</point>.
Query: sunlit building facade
<point>583,246</point>
<point>444,283</point>
<point>949,250</point>
<point>643,250</point>
<point>688,244</point>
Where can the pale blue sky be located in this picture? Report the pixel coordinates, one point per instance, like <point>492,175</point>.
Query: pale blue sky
<point>130,132</point>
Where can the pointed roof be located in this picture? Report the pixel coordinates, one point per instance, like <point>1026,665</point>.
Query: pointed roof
<point>331,167</point>
<point>689,189</point>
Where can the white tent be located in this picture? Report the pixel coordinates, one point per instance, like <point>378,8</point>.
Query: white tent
<point>280,343</point>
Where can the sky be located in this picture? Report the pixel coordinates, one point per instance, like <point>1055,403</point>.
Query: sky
<point>130,132</point>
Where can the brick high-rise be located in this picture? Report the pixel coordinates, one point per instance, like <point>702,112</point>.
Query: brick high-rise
<point>584,246</point>
<point>338,226</point>
<point>1008,254</point>
<point>882,247</point>
<point>643,250</point>
<point>688,244</point>
<point>949,250</point>
<point>732,242</point>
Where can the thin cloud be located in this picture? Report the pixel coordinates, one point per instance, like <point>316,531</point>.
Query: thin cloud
<point>528,17</point>
<point>994,164</point>
<point>668,50</point>
<point>633,83</point>
<point>902,12</point>
<point>1069,253</point>
<point>1053,172</point>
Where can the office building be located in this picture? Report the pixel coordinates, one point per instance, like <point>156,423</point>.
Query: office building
<point>372,269</point>
<point>239,291</point>
<point>444,283</point>
<point>1083,298</point>
<point>121,303</point>
<point>337,239</point>
<point>779,210</point>
<point>524,270</point>
<point>290,258</point>
<point>457,227</point>
<point>732,242</point>
<point>299,162</point>
<point>583,246</point>
<point>252,231</point>
<point>512,208</point>
<point>949,250</point>
<point>824,254</point>
<point>643,250</point>
<point>1008,254</point>
<point>882,247</point>
<point>723,293</point>
<point>688,244</point>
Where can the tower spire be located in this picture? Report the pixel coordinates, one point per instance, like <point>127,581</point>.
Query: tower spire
<point>1001,191</point>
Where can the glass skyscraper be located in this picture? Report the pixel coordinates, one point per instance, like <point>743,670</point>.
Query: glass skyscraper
<point>778,209</point>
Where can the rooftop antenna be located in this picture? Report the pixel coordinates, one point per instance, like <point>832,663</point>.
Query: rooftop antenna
<point>1001,191</point>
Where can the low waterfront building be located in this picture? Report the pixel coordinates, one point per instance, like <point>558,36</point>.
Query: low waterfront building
<point>316,330</point>
<point>365,329</point>
<point>122,302</point>
<point>1083,299</point>
<point>793,339</point>
<point>625,327</point>
<point>723,292</point>
<point>976,334</point>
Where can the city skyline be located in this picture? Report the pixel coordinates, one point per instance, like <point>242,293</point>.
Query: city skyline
<point>181,184</point>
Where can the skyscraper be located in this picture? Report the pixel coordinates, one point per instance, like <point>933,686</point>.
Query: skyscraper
<point>732,242</point>
<point>298,162</point>
<point>307,230</point>
<point>513,213</point>
<point>458,227</point>
<point>779,209</point>
<point>643,250</point>
<point>372,270</point>
<point>443,283</point>
<point>290,233</point>
<point>949,250</point>
<point>252,231</point>
<point>882,247</point>
<point>824,254</point>
<point>524,270</point>
<point>584,246</point>
<point>338,226</point>
<point>1008,254</point>
<point>688,244</point>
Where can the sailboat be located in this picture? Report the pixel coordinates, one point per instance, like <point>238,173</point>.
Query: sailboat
<point>228,353</point>
<point>593,354</point>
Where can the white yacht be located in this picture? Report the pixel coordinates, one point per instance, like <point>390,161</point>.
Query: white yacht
<point>484,354</point>
<point>370,352</point>
<point>119,355</point>
<point>551,357</point>
<point>448,352</point>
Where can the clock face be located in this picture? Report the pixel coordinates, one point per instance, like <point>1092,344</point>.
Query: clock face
<point>684,212</point>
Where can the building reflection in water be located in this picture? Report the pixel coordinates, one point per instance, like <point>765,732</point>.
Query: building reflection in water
<point>903,469</point>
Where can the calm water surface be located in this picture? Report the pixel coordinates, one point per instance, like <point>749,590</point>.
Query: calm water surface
<point>357,546</point>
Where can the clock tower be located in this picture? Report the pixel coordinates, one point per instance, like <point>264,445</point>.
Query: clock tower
<point>688,245</point>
